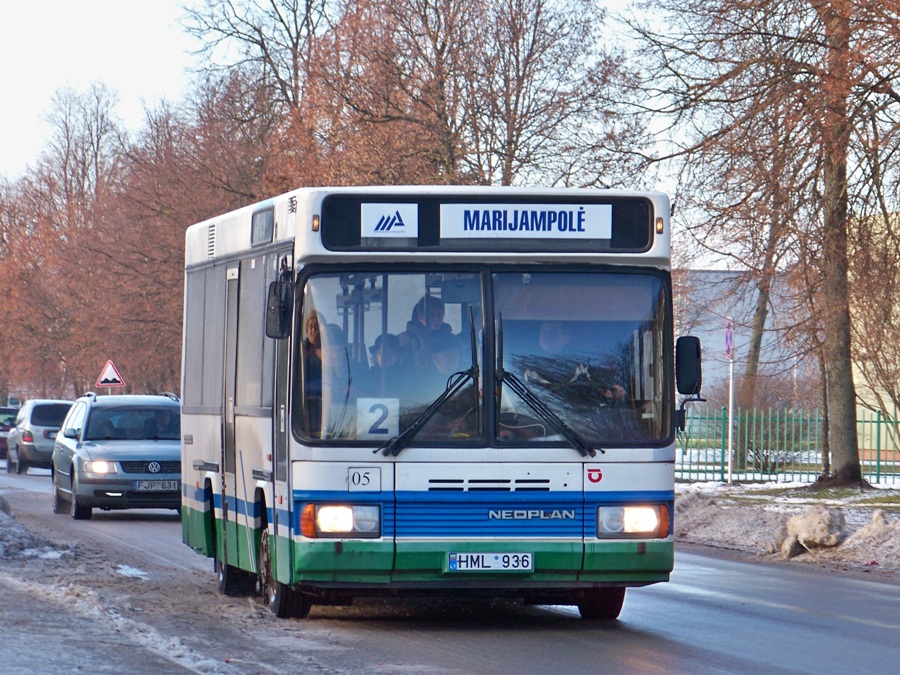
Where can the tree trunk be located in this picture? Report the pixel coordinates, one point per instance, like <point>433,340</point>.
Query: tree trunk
<point>836,133</point>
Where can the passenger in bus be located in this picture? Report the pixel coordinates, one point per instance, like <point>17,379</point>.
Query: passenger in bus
<point>387,374</point>
<point>424,329</point>
<point>446,356</point>
<point>456,417</point>
<point>552,366</point>
<point>312,374</point>
<point>554,336</point>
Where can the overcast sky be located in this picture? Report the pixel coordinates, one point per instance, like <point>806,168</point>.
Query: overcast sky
<point>134,47</point>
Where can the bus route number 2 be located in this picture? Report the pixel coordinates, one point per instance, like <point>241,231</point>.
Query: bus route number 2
<point>364,479</point>
<point>377,419</point>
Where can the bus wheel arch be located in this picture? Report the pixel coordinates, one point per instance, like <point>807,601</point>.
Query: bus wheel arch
<point>209,520</point>
<point>230,580</point>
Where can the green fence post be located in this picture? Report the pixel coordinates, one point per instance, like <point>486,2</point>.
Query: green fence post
<point>878,446</point>
<point>724,412</point>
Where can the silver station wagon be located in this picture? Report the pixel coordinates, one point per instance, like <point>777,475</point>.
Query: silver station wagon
<point>118,452</point>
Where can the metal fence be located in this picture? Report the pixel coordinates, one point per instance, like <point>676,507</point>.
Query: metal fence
<point>779,445</point>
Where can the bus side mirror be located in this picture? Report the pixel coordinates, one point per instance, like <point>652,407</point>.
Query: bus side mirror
<point>688,366</point>
<point>279,309</point>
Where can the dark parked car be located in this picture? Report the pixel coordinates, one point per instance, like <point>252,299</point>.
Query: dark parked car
<point>7,417</point>
<point>118,452</point>
<point>30,440</point>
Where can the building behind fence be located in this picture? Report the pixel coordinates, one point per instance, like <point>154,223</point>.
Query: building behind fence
<point>779,445</point>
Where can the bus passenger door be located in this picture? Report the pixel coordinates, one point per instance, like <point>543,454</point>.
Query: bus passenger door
<point>281,498</point>
<point>229,546</point>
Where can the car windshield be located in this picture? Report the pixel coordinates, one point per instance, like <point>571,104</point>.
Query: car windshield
<point>7,417</point>
<point>134,424</point>
<point>49,414</point>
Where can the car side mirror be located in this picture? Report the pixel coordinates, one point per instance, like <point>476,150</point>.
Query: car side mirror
<point>279,309</point>
<point>70,433</point>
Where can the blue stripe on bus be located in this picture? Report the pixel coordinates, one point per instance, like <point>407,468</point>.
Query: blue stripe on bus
<point>410,514</point>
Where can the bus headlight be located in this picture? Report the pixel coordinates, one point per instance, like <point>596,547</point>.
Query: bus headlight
<point>340,520</point>
<point>633,522</point>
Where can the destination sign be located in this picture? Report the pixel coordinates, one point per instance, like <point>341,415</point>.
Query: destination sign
<point>535,221</point>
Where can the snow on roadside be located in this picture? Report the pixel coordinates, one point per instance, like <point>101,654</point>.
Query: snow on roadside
<point>17,542</point>
<point>733,517</point>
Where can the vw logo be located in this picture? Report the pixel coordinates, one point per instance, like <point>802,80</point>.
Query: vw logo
<point>153,467</point>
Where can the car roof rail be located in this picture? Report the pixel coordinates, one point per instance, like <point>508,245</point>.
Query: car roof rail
<point>171,394</point>
<point>89,394</point>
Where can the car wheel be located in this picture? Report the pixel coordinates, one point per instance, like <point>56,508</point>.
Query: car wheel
<point>56,501</point>
<point>79,511</point>
<point>602,604</point>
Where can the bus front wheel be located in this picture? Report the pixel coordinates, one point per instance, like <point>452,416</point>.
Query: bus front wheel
<point>282,600</point>
<point>601,603</point>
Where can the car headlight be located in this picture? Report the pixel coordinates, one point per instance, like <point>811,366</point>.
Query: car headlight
<point>633,522</point>
<point>100,466</point>
<point>340,520</point>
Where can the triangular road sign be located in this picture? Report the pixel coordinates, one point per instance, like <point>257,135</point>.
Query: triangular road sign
<point>109,377</point>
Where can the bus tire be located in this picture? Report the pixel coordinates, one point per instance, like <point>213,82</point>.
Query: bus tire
<point>282,600</point>
<point>234,581</point>
<point>601,604</point>
<point>286,603</point>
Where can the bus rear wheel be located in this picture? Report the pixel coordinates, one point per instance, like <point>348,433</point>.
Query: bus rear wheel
<point>601,604</point>
<point>233,581</point>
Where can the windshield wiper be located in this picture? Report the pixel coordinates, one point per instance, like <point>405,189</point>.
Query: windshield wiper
<point>455,383</point>
<point>537,406</point>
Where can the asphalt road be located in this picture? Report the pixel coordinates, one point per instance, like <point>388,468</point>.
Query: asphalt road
<point>128,596</point>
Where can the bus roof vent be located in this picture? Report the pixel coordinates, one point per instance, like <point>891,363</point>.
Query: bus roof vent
<point>211,241</point>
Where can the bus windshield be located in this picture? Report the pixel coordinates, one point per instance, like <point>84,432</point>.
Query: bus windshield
<point>588,346</point>
<point>379,348</point>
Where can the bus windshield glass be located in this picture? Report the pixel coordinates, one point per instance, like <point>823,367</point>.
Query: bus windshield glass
<point>589,346</point>
<point>378,349</point>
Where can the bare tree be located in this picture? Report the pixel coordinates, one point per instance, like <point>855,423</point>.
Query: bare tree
<point>52,205</point>
<point>822,63</point>
<point>271,38</point>
<point>548,102</point>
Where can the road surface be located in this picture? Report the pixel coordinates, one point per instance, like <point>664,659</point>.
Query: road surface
<point>121,593</point>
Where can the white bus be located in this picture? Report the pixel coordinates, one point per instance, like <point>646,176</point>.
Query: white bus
<point>433,391</point>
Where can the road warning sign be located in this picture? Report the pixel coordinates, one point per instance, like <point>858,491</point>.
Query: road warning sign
<point>109,376</point>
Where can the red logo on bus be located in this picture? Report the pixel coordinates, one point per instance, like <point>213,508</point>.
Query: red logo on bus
<point>595,475</point>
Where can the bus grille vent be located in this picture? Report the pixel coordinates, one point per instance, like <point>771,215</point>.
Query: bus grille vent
<point>211,241</point>
<point>489,485</point>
